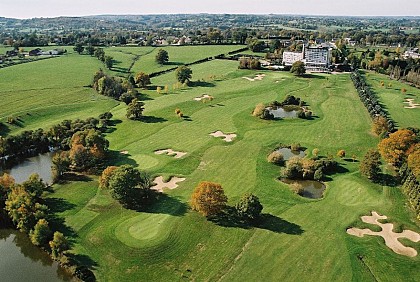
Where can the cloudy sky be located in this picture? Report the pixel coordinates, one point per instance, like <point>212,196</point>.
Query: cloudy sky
<point>54,8</point>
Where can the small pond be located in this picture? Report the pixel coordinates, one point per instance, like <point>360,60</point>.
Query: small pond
<point>288,153</point>
<point>280,112</point>
<point>20,260</point>
<point>310,188</point>
<point>40,164</point>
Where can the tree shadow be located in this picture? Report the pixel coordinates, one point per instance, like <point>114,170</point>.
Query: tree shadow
<point>152,119</point>
<point>73,177</point>
<point>117,157</point>
<point>114,122</point>
<point>173,63</point>
<point>229,218</point>
<point>85,260</point>
<point>201,84</point>
<point>165,204</point>
<point>56,205</point>
<point>4,129</point>
<point>350,160</point>
<point>310,75</point>
<point>187,118</point>
<point>387,180</point>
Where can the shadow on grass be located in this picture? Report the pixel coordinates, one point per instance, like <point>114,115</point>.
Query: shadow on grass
<point>229,218</point>
<point>117,158</point>
<point>165,204</point>
<point>388,180</point>
<point>152,119</point>
<point>201,84</point>
<point>58,205</point>
<point>4,129</point>
<point>309,75</point>
<point>83,260</point>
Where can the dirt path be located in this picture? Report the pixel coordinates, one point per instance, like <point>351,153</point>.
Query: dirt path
<point>390,237</point>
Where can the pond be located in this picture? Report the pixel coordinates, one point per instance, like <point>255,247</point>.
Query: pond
<point>40,164</point>
<point>280,112</point>
<point>308,188</point>
<point>288,153</point>
<point>20,260</point>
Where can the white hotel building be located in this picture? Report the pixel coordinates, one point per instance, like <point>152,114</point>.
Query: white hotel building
<point>315,58</point>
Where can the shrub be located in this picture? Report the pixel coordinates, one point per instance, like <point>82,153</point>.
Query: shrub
<point>295,147</point>
<point>315,152</point>
<point>259,110</point>
<point>249,207</point>
<point>177,111</point>
<point>318,175</point>
<point>341,153</point>
<point>276,158</point>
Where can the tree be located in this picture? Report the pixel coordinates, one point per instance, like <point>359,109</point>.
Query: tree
<point>61,164</point>
<point>59,244</point>
<point>249,207</point>
<point>315,152</point>
<point>41,233</point>
<point>142,79</point>
<point>370,166</point>
<point>79,48</point>
<point>403,90</point>
<point>100,54</point>
<point>256,45</point>
<point>259,110</point>
<point>90,50</point>
<point>162,57</point>
<point>129,186</point>
<point>208,198</point>
<point>105,176</point>
<point>380,125</point>
<point>135,109</point>
<point>393,149</point>
<point>109,62</point>
<point>183,74</point>
<point>413,161</point>
<point>298,68</point>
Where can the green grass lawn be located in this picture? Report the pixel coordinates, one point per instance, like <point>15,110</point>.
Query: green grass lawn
<point>45,92</point>
<point>300,239</point>
<point>393,99</point>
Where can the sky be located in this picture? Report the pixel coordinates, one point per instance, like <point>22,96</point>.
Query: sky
<point>53,8</point>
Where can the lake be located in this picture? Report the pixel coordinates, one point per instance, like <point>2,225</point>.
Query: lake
<point>40,164</point>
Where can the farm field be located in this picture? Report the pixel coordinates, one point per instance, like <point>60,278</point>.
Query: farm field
<point>298,240</point>
<point>395,100</point>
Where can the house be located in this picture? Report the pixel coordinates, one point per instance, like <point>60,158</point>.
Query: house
<point>413,53</point>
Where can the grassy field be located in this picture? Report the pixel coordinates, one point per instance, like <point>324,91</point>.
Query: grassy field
<point>393,99</point>
<point>299,240</point>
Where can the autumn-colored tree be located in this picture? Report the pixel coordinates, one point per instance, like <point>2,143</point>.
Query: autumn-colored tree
<point>393,149</point>
<point>208,198</point>
<point>106,174</point>
<point>403,90</point>
<point>315,152</point>
<point>370,166</point>
<point>380,125</point>
<point>341,153</point>
<point>413,160</point>
<point>142,79</point>
<point>276,158</point>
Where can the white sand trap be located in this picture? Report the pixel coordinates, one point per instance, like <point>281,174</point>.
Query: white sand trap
<point>390,237</point>
<point>124,152</point>
<point>226,137</point>
<point>203,97</point>
<point>257,77</point>
<point>171,184</point>
<point>171,152</point>
<point>411,104</point>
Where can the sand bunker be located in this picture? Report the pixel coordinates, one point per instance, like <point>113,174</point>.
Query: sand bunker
<point>203,97</point>
<point>226,137</point>
<point>411,104</point>
<point>257,77</point>
<point>124,152</point>
<point>171,184</point>
<point>390,237</point>
<point>171,152</point>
